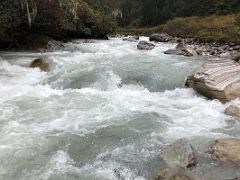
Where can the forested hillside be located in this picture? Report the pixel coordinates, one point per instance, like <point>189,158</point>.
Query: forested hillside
<point>154,12</point>
<point>35,21</point>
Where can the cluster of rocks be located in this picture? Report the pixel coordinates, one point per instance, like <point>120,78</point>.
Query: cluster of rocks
<point>181,158</point>
<point>216,49</point>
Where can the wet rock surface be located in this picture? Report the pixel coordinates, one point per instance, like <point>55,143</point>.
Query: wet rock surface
<point>180,49</point>
<point>173,174</point>
<point>233,111</point>
<point>180,153</point>
<point>226,150</point>
<point>131,38</point>
<point>41,64</point>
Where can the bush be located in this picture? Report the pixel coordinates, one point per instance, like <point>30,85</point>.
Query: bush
<point>211,28</point>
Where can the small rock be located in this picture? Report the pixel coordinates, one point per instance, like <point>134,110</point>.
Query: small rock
<point>236,57</point>
<point>226,150</point>
<point>226,55</point>
<point>178,51</point>
<point>179,153</point>
<point>237,47</point>
<point>233,111</point>
<point>131,38</point>
<point>41,64</point>
<point>144,45</point>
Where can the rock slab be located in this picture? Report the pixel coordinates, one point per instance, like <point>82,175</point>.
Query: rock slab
<point>217,79</point>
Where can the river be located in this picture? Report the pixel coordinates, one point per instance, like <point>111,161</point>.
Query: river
<point>103,112</point>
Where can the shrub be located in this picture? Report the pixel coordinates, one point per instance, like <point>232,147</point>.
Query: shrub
<point>219,28</point>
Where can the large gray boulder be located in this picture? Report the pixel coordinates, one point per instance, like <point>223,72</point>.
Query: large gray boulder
<point>144,45</point>
<point>180,153</point>
<point>217,79</point>
<point>160,37</point>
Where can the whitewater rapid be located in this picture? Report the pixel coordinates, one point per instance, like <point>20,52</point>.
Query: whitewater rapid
<point>103,112</point>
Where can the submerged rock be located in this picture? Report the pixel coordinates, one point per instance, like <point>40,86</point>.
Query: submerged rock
<point>180,153</point>
<point>233,111</point>
<point>217,79</point>
<point>144,45</point>
<point>41,64</point>
<point>180,49</point>
<point>131,38</point>
<point>226,150</point>
<point>160,37</point>
<point>172,174</point>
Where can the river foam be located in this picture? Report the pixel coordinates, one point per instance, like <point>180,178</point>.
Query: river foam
<point>103,112</point>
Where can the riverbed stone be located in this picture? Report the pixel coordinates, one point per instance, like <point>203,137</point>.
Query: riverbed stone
<point>144,45</point>
<point>41,64</point>
<point>233,111</point>
<point>180,153</point>
<point>180,49</point>
<point>172,174</point>
<point>131,38</point>
<point>226,55</point>
<point>217,79</point>
<point>226,150</point>
<point>160,37</point>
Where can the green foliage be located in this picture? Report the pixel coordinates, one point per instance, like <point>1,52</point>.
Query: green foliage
<point>154,12</point>
<point>58,19</point>
<point>238,20</point>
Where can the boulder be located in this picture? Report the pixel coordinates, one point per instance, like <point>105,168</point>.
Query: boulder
<point>41,64</point>
<point>236,57</point>
<point>237,47</point>
<point>144,45</point>
<point>217,79</point>
<point>160,37</point>
<point>172,174</point>
<point>233,111</point>
<point>180,49</point>
<point>131,38</point>
<point>179,153</point>
<point>226,150</point>
<point>226,55</point>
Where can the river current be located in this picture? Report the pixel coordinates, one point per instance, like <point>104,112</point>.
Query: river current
<point>103,112</point>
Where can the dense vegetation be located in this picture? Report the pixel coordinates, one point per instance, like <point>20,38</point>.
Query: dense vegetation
<point>35,21</point>
<point>204,20</point>
<point>155,12</point>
